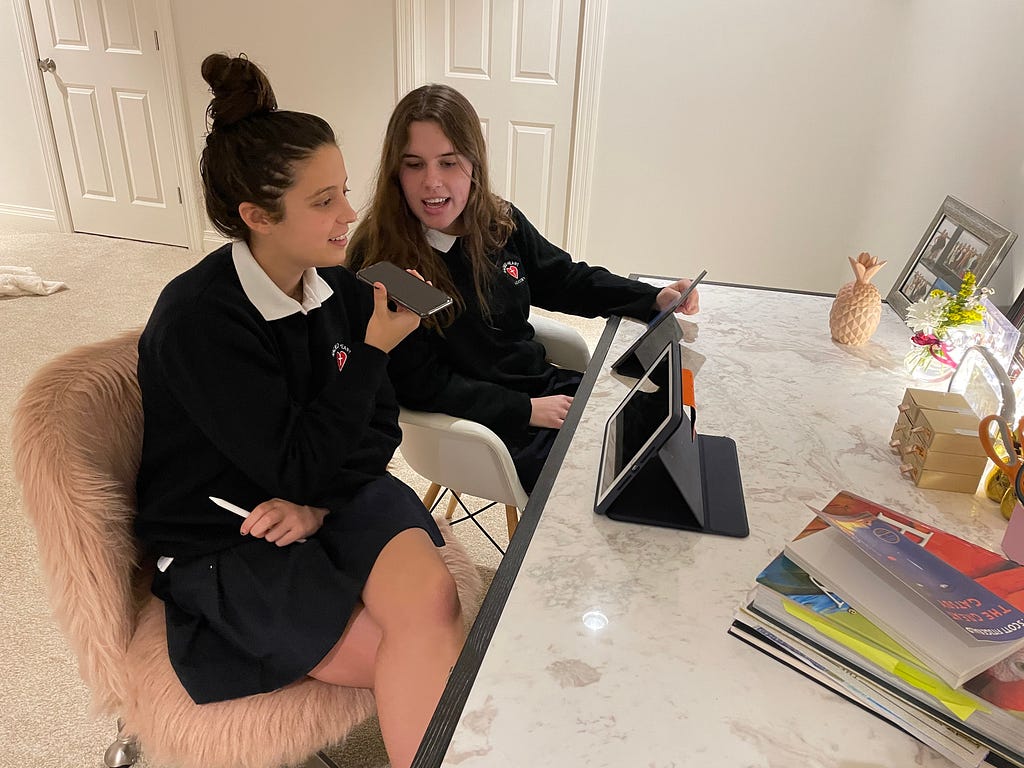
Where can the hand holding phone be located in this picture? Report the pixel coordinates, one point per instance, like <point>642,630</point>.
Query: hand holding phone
<point>388,324</point>
<point>406,289</point>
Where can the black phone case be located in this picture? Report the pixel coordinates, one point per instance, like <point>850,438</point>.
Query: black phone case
<point>392,281</point>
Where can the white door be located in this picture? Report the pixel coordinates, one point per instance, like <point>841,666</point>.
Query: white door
<point>111,122</point>
<point>515,60</point>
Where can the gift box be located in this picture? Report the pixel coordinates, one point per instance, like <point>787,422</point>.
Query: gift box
<point>936,437</point>
<point>947,431</point>
<point>943,481</point>
<point>916,400</point>
<point>940,461</point>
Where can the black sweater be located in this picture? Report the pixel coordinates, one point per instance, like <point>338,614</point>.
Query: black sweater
<point>487,369</point>
<point>245,409</point>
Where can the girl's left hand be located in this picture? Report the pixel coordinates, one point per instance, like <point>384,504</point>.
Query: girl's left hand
<point>670,293</point>
<point>283,522</point>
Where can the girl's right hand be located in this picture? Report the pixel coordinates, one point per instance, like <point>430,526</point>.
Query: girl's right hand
<point>549,411</point>
<point>387,328</point>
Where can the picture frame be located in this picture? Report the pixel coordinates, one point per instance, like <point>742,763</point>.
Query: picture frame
<point>958,239</point>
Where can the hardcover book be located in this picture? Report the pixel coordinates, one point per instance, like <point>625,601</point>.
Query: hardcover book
<point>955,606</point>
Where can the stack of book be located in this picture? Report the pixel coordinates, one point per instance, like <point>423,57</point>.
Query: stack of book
<point>913,623</point>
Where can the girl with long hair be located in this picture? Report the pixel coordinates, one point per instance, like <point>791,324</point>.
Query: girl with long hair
<point>433,211</point>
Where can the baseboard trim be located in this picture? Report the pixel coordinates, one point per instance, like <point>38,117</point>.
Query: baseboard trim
<point>25,218</point>
<point>212,240</point>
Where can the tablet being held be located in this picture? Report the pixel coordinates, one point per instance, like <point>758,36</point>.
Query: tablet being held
<point>405,288</point>
<point>659,332</point>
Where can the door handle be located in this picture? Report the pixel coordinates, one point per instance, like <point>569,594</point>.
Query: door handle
<point>47,65</point>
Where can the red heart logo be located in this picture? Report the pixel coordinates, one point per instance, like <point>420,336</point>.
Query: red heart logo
<point>341,357</point>
<point>513,271</point>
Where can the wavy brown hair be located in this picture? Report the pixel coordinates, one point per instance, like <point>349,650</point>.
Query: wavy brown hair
<point>252,148</point>
<point>390,230</point>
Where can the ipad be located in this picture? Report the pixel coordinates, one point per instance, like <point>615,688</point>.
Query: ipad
<point>638,428</point>
<point>634,361</point>
<point>408,290</point>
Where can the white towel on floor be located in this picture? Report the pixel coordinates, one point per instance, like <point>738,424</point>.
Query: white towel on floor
<point>23,281</point>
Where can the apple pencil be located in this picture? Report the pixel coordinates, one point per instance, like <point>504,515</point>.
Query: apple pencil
<point>238,511</point>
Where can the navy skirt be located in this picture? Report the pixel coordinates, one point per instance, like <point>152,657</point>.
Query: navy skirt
<point>256,617</point>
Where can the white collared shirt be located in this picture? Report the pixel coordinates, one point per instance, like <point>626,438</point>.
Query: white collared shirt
<point>438,240</point>
<point>271,301</point>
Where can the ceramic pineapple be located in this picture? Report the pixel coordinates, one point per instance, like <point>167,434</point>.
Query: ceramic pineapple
<point>858,305</point>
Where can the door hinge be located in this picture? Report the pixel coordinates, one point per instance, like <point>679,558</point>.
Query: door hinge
<point>180,201</point>
<point>156,39</point>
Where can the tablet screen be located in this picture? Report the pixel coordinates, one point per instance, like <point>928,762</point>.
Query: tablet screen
<point>633,427</point>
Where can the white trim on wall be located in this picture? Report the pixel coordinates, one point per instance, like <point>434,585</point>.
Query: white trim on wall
<point>27,219</point>
<point>183,152</point>
<point>41,112</point>
<point>28,211</point>
<point>584,140</point>
<point>410,32</point>
<point>212,240</point>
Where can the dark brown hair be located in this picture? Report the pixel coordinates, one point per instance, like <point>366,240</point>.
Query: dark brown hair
<point>391,232</point>
<point>252,148</point>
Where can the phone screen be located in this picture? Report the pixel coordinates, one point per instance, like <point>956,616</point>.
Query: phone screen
<point>406,289</point>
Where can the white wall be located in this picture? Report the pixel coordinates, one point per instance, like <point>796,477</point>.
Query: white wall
<point>768,141</point>
<point>334,59</point>
<point>23,185</point>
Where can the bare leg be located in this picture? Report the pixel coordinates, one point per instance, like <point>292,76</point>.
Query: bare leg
<point>412,596</point>
<point>352,660</point>
<point>402,641</point>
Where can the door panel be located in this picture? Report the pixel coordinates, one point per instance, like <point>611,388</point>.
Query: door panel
<point>516,62</point>
<point>110,116</point>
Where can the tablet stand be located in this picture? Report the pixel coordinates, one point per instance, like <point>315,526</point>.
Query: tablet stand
<point>650,349</point>
<point>693,483</point>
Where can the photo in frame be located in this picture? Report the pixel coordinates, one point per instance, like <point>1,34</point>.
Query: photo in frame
<point>1015,316</point>
<point>959,239</point>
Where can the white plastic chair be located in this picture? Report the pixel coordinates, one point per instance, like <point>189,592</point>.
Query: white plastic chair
<point>468,458</point>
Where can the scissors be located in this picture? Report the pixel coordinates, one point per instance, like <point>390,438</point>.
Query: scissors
<point>1011,465</point>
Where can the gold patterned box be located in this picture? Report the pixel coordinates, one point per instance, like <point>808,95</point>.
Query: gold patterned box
<point>936,437</point>
<point>938,461</point>
<point>916,400</point>
<point>947,431</point>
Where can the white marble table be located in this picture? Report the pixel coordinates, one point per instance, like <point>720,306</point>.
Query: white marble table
<point>662,684</point>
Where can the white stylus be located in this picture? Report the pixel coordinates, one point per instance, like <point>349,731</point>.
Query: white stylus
<point>230,507</point>
<point>239,511</point>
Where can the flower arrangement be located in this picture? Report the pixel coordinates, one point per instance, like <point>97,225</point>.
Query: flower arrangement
<point>933,317</point>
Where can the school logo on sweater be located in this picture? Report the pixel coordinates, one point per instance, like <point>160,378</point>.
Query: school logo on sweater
<point>341,353</point>
<point>511,268</point>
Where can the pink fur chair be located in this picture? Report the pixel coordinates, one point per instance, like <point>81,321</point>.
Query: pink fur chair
<point>77,436</point>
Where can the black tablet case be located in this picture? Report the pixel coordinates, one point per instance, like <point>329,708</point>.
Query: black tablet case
<point>639,360</point>
<point>692,482</point>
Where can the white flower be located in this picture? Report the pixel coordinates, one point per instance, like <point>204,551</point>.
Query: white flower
<point>928,314</point>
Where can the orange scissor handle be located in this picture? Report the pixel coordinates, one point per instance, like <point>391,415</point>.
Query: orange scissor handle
<point>1011,465</point>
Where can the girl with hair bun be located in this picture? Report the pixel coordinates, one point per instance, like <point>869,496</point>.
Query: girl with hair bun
<point>433,211</point>
<point>264,383</point>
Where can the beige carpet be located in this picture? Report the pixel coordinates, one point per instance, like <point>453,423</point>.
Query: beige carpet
<point>112,285</point>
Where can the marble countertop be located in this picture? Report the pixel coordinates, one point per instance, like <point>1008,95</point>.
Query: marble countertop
<point>661,683</point>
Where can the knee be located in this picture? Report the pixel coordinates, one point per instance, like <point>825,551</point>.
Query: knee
<point>436,598</point>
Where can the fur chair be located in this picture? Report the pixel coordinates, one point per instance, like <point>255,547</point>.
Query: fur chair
<point>77,436</point>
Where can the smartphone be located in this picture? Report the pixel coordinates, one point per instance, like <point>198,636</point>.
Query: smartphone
<point>408,290</point>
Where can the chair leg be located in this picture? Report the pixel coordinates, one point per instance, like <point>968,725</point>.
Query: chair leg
<point>431,495</point>
<point>123,752</point>
<point>319,760</point>
<point>453,502</point>
<point>512,518</point>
